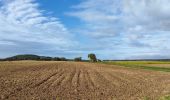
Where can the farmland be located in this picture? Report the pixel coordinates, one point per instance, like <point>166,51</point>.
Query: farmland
<point>83,80</point>
<point>148,65</point>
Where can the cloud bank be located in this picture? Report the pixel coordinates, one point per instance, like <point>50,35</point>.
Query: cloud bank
<point>139,27</point>
<point>113,29</point>
<point>26,29</point>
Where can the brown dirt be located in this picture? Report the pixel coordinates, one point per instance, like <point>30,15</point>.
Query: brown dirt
<point>77,81</point>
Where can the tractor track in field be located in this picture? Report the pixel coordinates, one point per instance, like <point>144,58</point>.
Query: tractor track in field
<point>89,80</point>
<point>29,86</point>
<point>78,80</point>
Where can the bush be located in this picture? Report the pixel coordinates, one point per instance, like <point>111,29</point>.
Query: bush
<point>46,58</point>
<point>78,59</point>
<point>56,59</point>
<point>63,59</point>
<point>98,60</point>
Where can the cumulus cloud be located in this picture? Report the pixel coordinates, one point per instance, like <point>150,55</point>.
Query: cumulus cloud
<point>25,27</point>
<point>116,16</point>
<point>114,29</point>
<point>151,15</point>
<point>136,24</point>
<point>101,17</point>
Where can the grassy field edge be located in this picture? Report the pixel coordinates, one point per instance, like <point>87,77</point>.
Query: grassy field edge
<point>139,66</point>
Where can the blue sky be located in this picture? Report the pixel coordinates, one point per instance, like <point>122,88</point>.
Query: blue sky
<point>112,29</point>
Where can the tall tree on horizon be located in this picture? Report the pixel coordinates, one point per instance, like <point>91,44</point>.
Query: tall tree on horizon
<point>92,57</point>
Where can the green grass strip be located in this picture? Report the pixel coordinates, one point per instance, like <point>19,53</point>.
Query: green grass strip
<point>139,66</point>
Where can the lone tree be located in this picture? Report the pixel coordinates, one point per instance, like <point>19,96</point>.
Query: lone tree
<point>92,57</point>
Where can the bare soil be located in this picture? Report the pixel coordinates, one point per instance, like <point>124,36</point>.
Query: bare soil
<point>27,80</point>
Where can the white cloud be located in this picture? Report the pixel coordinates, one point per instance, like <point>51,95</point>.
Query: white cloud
<point>152,15</point>
<point>22,21</point>
<point>136,24</point>
<point>110,28</point>
<point>101,17</point>
<point>116,15</point>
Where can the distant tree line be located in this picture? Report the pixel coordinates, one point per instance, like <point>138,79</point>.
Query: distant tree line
<point>78,59</point>
<point>33,57</point>
<point>92,58</point>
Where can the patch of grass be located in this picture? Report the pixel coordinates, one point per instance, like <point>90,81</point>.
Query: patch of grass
<point>146,98</point>
<point>161,98</point>
<point>165,98</point>
<point>141,64</point>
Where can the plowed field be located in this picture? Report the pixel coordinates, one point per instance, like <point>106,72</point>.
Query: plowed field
<point>77,80</point>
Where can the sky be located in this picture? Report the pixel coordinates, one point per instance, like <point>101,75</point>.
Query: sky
<point>112,29</point>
